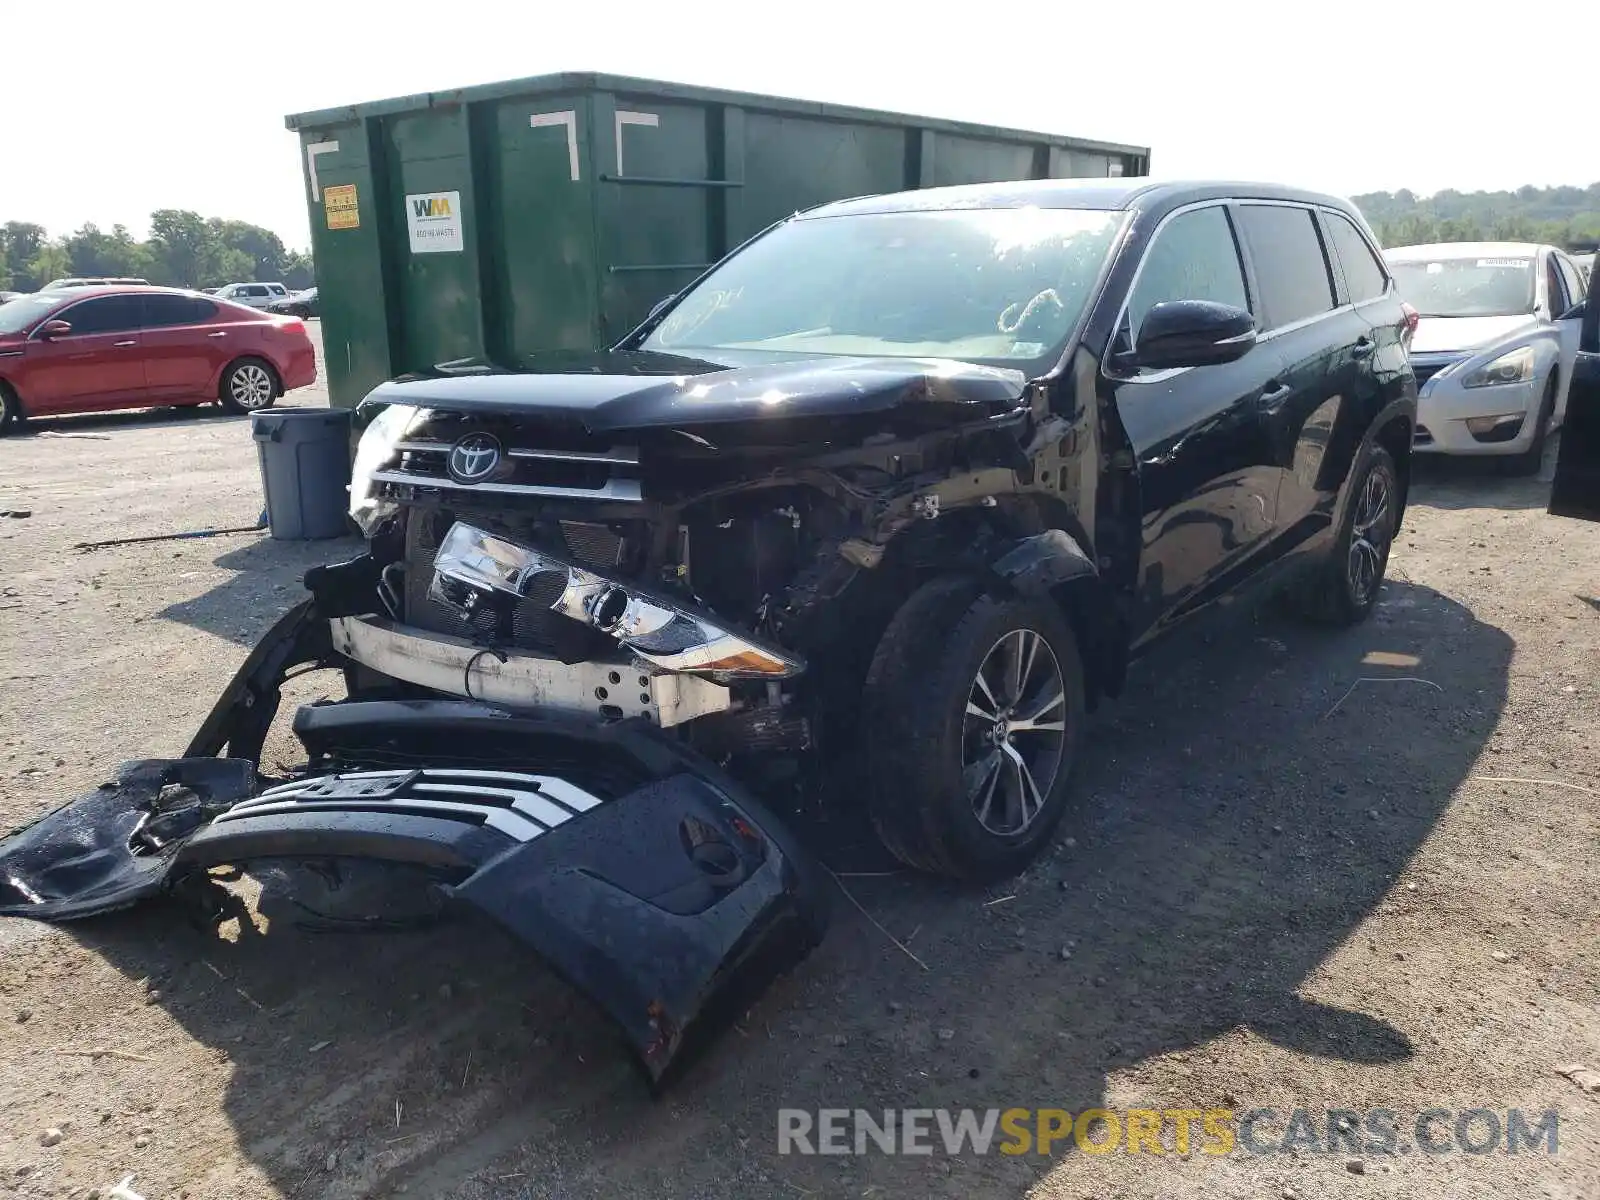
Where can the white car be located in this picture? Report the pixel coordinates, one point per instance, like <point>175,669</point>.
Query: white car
<point>256,295</point>
<point>1491,353</point>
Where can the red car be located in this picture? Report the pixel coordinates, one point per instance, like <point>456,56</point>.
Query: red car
<point>99,348</point>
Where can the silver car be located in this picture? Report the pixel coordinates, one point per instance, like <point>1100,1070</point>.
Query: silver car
<point>1492,353</point>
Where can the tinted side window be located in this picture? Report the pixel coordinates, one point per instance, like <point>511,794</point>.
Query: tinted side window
<point>1290,268</point>
<point>1194,257</point>
<point>1363,273</point>
<point>1575,284</point>
<point>1557,290</point>
<point>105,314</point>
<point>160,311</point>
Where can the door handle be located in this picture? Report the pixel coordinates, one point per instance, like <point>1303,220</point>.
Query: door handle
<point>218,334</point>
<point>1363,347</point>
<point>1275,394</point>
<point>129,342</point>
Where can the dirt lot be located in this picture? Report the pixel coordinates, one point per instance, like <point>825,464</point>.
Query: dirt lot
<point>1269,897</point>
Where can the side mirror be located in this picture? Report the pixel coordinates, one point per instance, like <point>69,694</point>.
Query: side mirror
<point>1193,333</point>
<point>51,330</point>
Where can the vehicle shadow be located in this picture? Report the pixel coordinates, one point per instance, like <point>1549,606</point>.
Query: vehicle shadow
<point>1442,482</point>
<point>1239,813</point>
<point>265,582</point>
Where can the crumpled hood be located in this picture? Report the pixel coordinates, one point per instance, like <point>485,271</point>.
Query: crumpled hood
<point>621,390</point>
<point>1436,335</point>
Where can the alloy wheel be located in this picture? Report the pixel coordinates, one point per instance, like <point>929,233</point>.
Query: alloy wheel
<point>251,386</point>
<point>1014,733</point>
<point>1370,533</point>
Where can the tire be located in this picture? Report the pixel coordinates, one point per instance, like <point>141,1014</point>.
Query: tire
<point>10,409</point>
<point>932,801</point>
<point>249,385</point>
<point>1531,459</point>
<point>1343,588</point>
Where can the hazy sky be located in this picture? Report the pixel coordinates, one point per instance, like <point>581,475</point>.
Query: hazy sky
<point>116,109</point>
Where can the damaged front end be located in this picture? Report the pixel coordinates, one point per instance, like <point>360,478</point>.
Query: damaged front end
<point>565,629</point>
<point>635,868</point>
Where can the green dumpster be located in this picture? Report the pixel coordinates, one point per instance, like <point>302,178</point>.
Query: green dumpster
<point>554,212</point>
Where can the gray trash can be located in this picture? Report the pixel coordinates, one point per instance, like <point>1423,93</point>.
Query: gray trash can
<point>305,470</point>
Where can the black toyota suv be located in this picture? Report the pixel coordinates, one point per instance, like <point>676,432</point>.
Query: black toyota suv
<point>891,494</point>
<point>909,475</point>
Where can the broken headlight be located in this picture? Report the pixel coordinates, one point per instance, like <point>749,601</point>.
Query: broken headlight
<point>378,443</point>
<point>664,633</point>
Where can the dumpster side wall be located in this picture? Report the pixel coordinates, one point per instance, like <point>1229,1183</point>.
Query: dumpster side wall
<point>554,213</point>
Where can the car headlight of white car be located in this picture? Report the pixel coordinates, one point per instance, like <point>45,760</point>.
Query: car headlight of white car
<point>1514,366</point>
<point>376,448</point>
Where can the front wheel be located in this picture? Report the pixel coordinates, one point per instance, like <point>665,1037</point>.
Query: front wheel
<point>1531,459</point>
<point>248,385</point>
<point>10,409</point>
<point>974,714</point>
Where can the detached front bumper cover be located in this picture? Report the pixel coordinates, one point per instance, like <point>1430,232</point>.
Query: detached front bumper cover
<point>644,876</point>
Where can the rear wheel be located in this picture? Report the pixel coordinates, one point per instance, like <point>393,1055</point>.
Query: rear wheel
<point>1531,459</point>
<point>1343,589</point>
<point>974,712</point>
<point>248,385</point>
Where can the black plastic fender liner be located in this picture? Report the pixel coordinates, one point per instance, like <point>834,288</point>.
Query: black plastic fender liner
<point>238,722</point>
<point>671,908</point>
<point>118,844</point>
<point>1037,564</point>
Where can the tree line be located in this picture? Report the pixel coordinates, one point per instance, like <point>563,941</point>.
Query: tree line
<point>184,249</point>
<point>1568,217</point>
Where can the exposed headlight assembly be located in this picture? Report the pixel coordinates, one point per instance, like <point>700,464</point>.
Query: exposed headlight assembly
<point>373,452</point>
<point>1515,366</point>
<point>663,632</point>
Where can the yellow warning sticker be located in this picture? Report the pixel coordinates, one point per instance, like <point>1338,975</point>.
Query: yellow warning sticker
<point>339,202</point>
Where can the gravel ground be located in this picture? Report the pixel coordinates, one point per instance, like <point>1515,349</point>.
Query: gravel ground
<point>1291,883</point>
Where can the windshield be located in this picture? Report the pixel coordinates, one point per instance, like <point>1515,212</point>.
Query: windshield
<point>1467,287</point>
<point>986,285</point>
<point>16,315</point>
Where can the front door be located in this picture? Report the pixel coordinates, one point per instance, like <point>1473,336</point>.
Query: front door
<point>98,365</point>
<point>1208,483</point>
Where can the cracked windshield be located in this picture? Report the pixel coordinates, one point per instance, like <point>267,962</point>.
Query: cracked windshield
<point>990,285</point>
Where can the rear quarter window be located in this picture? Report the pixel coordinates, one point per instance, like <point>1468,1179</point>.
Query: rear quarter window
<point>1291,270</point>
<point>1364,275</point>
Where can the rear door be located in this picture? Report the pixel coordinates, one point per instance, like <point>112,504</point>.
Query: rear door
<point>1207,482</point>
<point>1568,327</point>
<point>1324,347</point>
<point>183,347</point>
<point>99,365</point>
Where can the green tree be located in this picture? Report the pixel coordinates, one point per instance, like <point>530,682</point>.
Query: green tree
<point>51,262</point>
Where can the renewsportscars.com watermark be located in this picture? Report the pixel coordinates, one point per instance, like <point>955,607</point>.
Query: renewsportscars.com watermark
<point>1214,1131</point>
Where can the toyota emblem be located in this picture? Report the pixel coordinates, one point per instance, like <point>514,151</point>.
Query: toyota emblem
<point>474,458</point>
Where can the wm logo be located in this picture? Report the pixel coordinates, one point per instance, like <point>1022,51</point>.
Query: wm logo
<point>434,206</point>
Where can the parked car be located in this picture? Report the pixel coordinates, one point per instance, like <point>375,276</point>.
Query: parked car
<point>56,285</point>
<point>297,304</point>
<point>256,295</point>
<point>1492,353</point>
<point>96,349</point>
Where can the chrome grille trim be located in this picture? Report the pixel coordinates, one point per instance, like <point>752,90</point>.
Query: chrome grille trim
<point>624,455</point>
<point>613,489</point>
